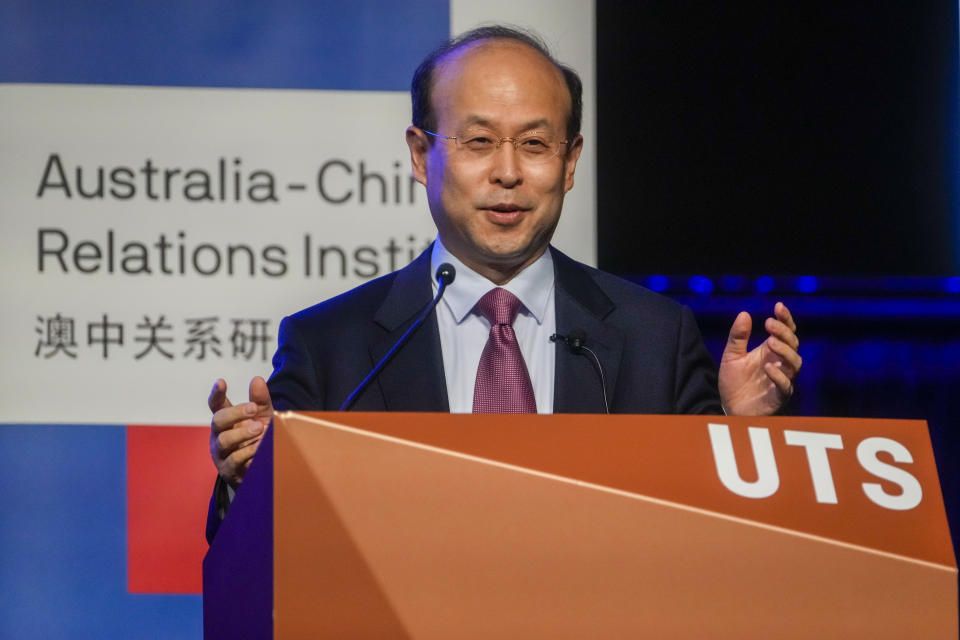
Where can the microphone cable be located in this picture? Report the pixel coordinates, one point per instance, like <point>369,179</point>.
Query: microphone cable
<point>576,342</point>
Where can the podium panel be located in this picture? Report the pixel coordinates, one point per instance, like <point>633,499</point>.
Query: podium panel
<point>438,526</point>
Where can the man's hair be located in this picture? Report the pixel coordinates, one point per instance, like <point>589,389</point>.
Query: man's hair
<point>421,88</point>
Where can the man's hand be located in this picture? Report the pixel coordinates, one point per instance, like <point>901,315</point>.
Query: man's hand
<point>759,382</point>
<point>236,431</point>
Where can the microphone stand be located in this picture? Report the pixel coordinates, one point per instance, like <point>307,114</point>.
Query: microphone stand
<point>445,275</point>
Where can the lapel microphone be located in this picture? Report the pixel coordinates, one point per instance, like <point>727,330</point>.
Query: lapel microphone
<point>576,341</point>
<point>445,275</point>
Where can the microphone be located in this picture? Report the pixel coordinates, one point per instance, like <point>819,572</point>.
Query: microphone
<point>445,276</point>
<point>576,341</point>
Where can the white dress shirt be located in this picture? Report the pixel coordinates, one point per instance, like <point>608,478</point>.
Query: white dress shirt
<point>464,332</point>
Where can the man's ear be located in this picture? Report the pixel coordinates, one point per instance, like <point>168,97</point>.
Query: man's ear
<point>570,162</point>
<point>419,147</point>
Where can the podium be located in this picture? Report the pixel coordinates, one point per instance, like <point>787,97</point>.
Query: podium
<point>392,525</point>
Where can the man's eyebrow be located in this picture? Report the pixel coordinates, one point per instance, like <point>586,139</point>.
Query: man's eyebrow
<point>483,122</point>
<point>540,123</point>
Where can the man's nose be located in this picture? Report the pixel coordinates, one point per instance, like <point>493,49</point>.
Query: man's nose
<point>506,168</point>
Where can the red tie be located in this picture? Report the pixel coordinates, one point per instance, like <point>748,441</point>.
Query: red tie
<point>503,384</point>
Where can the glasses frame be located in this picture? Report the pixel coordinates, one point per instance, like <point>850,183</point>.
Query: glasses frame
<point>514,140</point>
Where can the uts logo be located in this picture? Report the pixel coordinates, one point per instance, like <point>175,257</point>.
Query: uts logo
<point>816,446</point>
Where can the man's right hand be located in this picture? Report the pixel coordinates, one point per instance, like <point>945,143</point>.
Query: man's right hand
<point>236,431</point>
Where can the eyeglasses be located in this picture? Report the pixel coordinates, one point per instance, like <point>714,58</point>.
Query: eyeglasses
<point>534,147</point>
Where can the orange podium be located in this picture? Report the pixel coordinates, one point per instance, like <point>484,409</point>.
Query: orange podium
<point>391,525</point>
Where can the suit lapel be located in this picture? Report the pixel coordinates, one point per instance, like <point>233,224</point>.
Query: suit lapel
<point>414,379</point>
<point>582,305</point>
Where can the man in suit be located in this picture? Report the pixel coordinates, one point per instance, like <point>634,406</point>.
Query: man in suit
<point>495,140</point>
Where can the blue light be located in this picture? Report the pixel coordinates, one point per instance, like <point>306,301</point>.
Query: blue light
<point>952,285</point>
<point>700,284</point>
<point>732,283</point>
<point>806,284</point>
<point>658,283</point>
<point>764,284</point>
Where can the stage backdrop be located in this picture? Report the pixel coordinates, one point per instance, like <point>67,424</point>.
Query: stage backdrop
<point>175,178</point>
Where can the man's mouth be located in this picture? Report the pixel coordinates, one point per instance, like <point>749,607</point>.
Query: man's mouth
<point>506,211</point>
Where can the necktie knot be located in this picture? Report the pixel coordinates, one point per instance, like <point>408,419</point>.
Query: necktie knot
<point>499,306</point>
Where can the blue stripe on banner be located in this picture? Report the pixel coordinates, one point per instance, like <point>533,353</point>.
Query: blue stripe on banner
<point>63,537</point>
<point>371,45</point>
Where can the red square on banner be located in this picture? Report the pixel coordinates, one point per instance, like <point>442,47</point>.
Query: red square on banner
<point>169,481</point>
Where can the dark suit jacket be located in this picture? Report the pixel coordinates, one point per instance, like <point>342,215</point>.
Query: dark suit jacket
<point>652,356</point>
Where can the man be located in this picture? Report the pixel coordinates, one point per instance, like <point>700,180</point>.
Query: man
<point>495,140</point>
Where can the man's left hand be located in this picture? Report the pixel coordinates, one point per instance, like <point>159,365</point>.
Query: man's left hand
<point>759,382</point>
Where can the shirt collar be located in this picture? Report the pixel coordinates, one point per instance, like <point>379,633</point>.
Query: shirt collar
<point>532,286</point>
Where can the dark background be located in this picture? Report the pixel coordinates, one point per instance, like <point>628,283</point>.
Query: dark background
<point>804,152</point>
<point>778,137</point>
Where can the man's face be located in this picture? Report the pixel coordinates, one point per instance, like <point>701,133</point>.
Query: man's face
<point>496,213</point>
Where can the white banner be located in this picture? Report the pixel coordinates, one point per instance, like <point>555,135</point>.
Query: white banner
<point>154,237</point>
